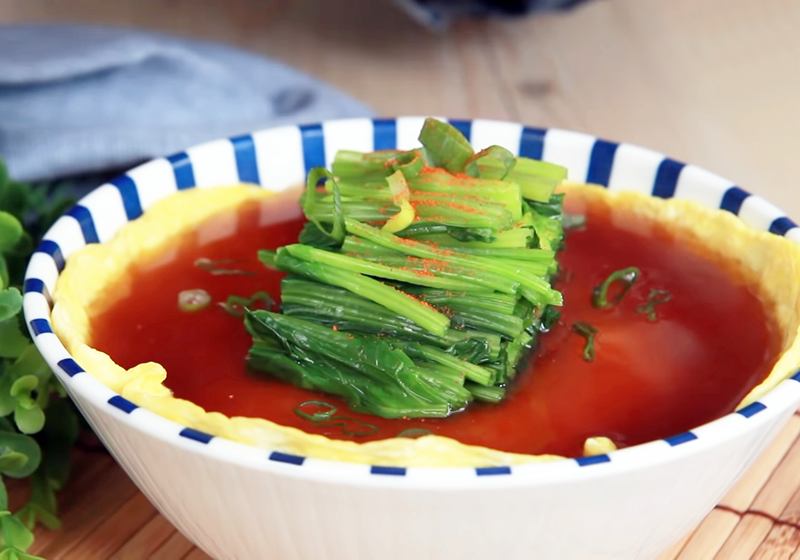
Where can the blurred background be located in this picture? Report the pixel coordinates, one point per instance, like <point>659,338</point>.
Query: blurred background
<point>712,82</point>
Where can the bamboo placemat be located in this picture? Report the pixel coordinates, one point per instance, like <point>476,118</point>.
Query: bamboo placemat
<point>105,517</point>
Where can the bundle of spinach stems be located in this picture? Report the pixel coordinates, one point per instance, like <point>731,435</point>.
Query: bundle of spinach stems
<point>421,280</point>
<point>38,424</point>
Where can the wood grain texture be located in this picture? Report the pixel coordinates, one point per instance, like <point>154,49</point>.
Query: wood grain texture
<point>712,82</point>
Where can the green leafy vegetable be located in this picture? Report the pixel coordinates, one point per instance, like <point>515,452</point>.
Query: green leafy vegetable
<point>445,145</point>
<point>419,283</point>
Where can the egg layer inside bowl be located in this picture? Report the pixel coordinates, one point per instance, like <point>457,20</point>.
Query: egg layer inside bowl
<point>710,324</point>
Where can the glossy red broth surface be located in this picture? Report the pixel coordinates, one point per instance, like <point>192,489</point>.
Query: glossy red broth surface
<point>709,345</point>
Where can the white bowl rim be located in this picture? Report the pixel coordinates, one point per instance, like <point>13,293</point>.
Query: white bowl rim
<point>669,178</point>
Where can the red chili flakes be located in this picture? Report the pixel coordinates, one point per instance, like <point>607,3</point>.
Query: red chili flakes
<point>407,241</point>
<point>425,303</point>
<point>430,202</point>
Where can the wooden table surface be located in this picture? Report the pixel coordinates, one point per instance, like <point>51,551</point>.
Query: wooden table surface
<point>712,82</point>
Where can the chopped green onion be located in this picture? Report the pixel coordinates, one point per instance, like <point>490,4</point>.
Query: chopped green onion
<point>320,410</point>
<point>656,297</point>
<point>409,163</point>
<point>414,433</point>
<point>625,276</point>
<point>589,332</point>
<point>217,268</point>
<point>344,422</point>
<point>323,417</point>
<point>193,300</point>
<point>235,305</point>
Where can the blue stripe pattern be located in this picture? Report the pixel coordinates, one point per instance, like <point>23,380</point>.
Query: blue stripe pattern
<point>464,127</point>
<point>313,146</point>
<point>531,143</point>
<point>40,326</point>
<point>781,225</point>
<point>85,220</point>
<point>492,471</point>
<point>196,435</point>
<point>123,404</point>
<point>592,460</point>
<point>752,409</point>
<point>286,458</point>
<point>667,178</point>
<point>733,199</point>
<point>680,438</point>
<point>392,471</point>
<point>51,248</point>
<point>183,170</point>
<point>130,196</point>
<point>70,367</point>
<point>32,285</point>
<point>601,162</point>
<point>384,134</point>
<point>244,149</point>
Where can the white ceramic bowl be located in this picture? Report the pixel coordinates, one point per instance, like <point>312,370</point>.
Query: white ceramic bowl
<point>236,501</point>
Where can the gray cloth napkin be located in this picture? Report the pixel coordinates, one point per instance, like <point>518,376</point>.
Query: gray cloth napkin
<point>79,99</point>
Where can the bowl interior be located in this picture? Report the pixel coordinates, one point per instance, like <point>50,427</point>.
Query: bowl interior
<point>279,158</point>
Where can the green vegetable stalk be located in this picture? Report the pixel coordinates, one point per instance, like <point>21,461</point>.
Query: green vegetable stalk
<point>38,425</point>
<point>421,280</point>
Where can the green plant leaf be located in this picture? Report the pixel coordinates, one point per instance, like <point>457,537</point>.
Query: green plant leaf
<point>4,278</point>
<point>12,442</point>
<point>10,231</point>
<point>15,533</point>
<point>17,554</point>
<point>3,495</point>
<point>22,388</point>
<point>28,415</point>
<point>42,506</point>
<point>10,303</point>
<point>7,402</point>
<point>16,198</point>
<point>59,434</point>
<point>12,461</point>
<point>31,362</point>
<point>12,342</point>
<point>29,420</point>
<point>3,174</point>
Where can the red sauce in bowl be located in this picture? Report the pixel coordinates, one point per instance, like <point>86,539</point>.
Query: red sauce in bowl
<point>709,345</point>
